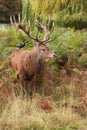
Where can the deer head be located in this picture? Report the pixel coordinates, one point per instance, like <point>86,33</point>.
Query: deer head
<point>40,48</point>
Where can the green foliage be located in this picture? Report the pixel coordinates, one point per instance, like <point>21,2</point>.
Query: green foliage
<point>68,44</point>
<point>68,13</point>
<point>23,114</point>
<point>26,9</point>
<point>83,60</point>
<point>74,14</point>
<point>47,7</point>
<point>76,20</point>
<point>11,38</point>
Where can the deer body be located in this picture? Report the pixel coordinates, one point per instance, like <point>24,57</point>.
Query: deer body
<point>28,64</point>
<point>24,61</point>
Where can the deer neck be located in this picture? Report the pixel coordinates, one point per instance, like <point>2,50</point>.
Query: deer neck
<point>38,59</point>
<point>36,54</point>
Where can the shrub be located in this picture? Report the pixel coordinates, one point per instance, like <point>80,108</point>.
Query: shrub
<point>76,20</point>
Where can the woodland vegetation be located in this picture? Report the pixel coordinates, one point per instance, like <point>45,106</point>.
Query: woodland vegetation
<point>64,104</point>
<point>7,8</point>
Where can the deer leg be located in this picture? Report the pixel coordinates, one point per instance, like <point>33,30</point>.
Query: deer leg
<point>34,83</point>
<point>31,89</point>
<point>23,84</point>
<point>43,86</point>
<point>24,87</point>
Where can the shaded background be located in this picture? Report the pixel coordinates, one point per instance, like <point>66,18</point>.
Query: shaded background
<point>9,7</point>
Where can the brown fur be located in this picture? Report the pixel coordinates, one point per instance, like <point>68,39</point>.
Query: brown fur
<point>26,63</point>
<point>29,63</point>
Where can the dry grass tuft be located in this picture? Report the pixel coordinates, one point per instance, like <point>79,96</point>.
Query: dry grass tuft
<point>45,103</point>
<point>40,114</point>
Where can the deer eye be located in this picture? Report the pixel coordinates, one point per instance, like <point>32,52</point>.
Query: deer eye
<point>43,49</point>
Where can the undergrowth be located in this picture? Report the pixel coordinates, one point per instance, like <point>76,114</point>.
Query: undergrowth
<point>21,114</point>
<point>64,104</point>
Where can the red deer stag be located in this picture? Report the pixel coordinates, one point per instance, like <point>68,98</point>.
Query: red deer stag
<point>28,63</point>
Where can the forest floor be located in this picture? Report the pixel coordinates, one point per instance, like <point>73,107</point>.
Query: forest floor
<point>62,107</point>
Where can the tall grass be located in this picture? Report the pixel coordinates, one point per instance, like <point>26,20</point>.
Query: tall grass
<point>23,114</point>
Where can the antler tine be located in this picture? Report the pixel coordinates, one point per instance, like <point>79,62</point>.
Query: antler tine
<point>46,29</point>
<point>41,27</point>
<point>11,20</point>
<point>19,18</point>
<point>50,40</point>
<point>14,19</point>
<point>39,24</point>
<point>37,34</point>
<point>47,21</point>
<point>49,29</point>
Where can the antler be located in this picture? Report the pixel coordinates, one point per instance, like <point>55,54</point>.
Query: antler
<point>22,25</point>
<point>47,28</point>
